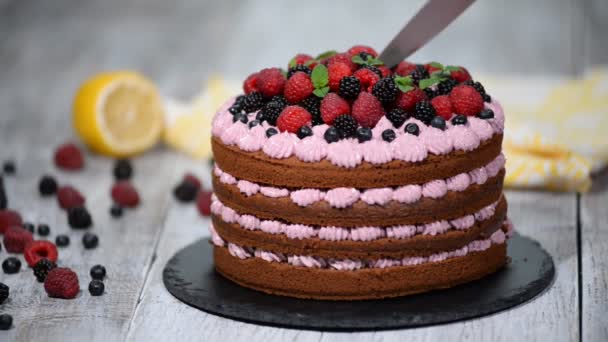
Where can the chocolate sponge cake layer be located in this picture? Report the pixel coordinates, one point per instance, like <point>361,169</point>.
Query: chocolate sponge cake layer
<point>292,173</point>
<point>451,206</point>
<point>417,245</point>
<point>370,283</point>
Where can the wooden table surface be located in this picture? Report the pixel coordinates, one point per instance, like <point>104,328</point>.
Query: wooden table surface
<point>47,48</point>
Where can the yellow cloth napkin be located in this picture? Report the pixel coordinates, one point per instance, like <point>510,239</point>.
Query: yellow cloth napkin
<point>555,134</point>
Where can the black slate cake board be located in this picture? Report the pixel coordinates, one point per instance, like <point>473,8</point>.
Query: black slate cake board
<point>190,276</point>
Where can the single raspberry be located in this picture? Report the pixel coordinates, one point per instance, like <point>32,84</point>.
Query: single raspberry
<point>357,49</point>
<point>337,71</point>
<point>9,218</point>
<point>292,118</point>
<point>298,87</point>
<point>42,269</point>
<point>40,249</point>
<point>461,75</point>
<point>405,68</point>
<point>466,100</point>
<point>346,125</point>
<point>270,82</point>
<point>249,84</point>
<point>333,106</point>
<point>125,194</point>
<point>62,282</point>
<point>16,238</point>
<point>301,59</point>
<point>189,177</point>
<point>203,203</point>
<point>431,69</point>
<point>68,197</point>
<point>367,77</point>
<point>69,157</point>
<point>342,58</point>
<point>299,67</point>
<point>443,106</point>
<point>407,101</point>
<point>384,70</point>
<point>478,86</point>
<point>367,110</point>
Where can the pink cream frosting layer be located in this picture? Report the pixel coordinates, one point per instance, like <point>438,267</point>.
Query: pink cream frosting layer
<point>498,237</point>
<point>349,153</point>
<point>301,231</point>
<point>345,197</point>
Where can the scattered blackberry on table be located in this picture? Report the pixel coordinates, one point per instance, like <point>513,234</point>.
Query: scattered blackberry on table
<point>486,114</point>
<point>397,116</point>
<point>253,101</point>
<point>6,321</point>
<point>185,192</point>
<point>42,269</point>
<point>242,117</point>
<point>445,87</point>
<point>28,226</point>
<point>385,90</point>
<point>79,218</point>
<point>11,265</point>
<point>123,169</point>
<point>299,67</point>
<point>346,125</point>
<point>438,122</point>
<point>43,229</point>
<point>62,240</point>
<point>253,123</point>
<point>412,128</point>
<point>116,210</point>
<point>272,110</point>
<point>313,105</point>
<point>271,131</point>
<point>9,167</point>
<point>47,185</point>
<point>364,134</point>
<point>430,93</point>
<point>304,132</point>
<point>90,240</point>
<point>4,292</point>
<point>419,73</point>
<point>350,87</point>
<point>478,86</point>
<point>96,287</point>
<point>331,135</point>
<point>486,98</point>
<point>424,112</point>
<point>373,69</point>
<point>388,135</point>
<point>98,272</point>
<point>459,120</point>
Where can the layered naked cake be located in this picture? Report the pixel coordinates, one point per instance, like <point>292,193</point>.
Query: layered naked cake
<point>342,179</point>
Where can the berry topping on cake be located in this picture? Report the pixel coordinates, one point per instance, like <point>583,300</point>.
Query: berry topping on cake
<point>407,100</point>
<point>443,106</point>
<point>61,282</point>
<point>41,249</point>
<point>249,84</point>
<point>333,106</point>
<point>337,71</point>
<point>367,77</point>
<point>304,131</point>
<point>298,87</point>
<point>405,68</point>
<point>350,87</point>
<point>271,131</point>
<point>438,122</point>
<point>242,117</point>
<point>292,118</point>
<point>419,73</point>
<point>445,87</point>
<point>412,128</point>
<point>486,114</point>
<point>299,59</point>
<point>466,100</point>
<point>460,75</point>
<point>253,123</point>
<point>367,110</point>
<point>424,112</point>
<point>397,116</point>
<point>459,120</point>
<point>270,82</point>
<point>313,105</point>
<point>252,102</point>
<point>331,135</point>
<point>299,67</point>
<point>388,135</point>
<point>346,125</point>
<point>271,112</point>
<point>342,58</point>
<point>364,134</point>
<point>385,90</point>
<point>357,49</point>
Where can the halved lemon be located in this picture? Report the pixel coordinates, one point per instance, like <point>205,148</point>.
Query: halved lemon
<point>119,113</point>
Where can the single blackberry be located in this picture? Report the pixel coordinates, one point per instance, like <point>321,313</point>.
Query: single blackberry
<point>90,240</point>
<point>445,87</point>
<point>11,265</point>
<point>253,123</point>
<point>79,218</point>
<point>253,101</point>
<point>486,98</point>
<point>9,167</point>
<point>313,105</point>
<point>480,89</point>
<point>47,186</point>
<point>272,110</point>
<point>438,122</point>
<point>242,117</point>
<point>350,87</point>
<point>430,93</point>
<point>331,135</point>
<point>299,67</point>
<point>374,69</point>
<point>364,134</point>
<point>346,125</point>
<point>62,240</point>
<point>98,272</point>
<point>96,287</point>
<point>42,268</point>
<point>43,229</point>
<point>388,135</point>
<point>304,132</point>
<point>397,116</point>
<point>280,99</point>
<point>116,210</point>
<point>385,90</point>
<point>271,131</point>
<point>4,291</point>
<point>6,321</point>
<point>486,114</point>
<point>419,73</point>
<point>123,169</point>
<point>424,112</point>
<point>459,120</point>
<point>185,192</point>
<point>412,128</point>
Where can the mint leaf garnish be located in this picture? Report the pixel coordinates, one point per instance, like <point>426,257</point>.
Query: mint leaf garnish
<point>451,68</point>
<point>404,84</point>
<point>310,61</point>
<point>320,80</point>
<point>326,54</point>
<point>436,65</point>
<point>321,92</point>
<point>357,59</point>
<point>427,82</point>
<point>292,62</point>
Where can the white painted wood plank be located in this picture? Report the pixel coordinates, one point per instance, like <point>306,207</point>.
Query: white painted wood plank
<point>594,249</point>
